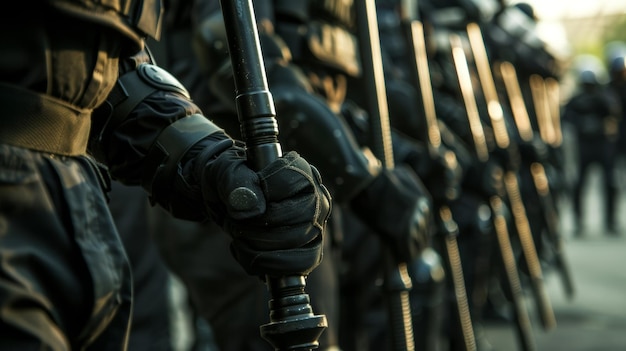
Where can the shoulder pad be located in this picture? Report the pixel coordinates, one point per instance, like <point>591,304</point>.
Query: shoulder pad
<point>161,79</point>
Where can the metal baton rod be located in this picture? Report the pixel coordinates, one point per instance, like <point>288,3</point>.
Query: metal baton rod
<point>496,116</point>
<point>540,179</point>
<point>524,327</point>
<point>414,32</point>
<point>397,280</point>
<point>293,326</point>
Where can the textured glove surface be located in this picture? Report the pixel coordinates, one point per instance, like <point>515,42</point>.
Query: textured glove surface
<point>441,173</point>
<point>281,233</point>
<point>486,178</point>
<point>397,207</point>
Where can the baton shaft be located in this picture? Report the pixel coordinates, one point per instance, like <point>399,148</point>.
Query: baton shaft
<point>397,281</point>
<point>292,323</point>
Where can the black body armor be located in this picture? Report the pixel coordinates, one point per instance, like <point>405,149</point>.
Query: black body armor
<point>319,33</point>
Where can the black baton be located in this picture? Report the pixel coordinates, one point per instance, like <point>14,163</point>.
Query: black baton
<point>293,326</point>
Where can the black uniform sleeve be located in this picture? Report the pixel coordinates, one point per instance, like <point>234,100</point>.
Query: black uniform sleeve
<point>146,132</point>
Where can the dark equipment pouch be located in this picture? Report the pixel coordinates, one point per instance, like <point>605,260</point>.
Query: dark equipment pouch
<point>322,44</point>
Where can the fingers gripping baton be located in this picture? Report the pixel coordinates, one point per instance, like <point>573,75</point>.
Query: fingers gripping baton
<point>293,326</point>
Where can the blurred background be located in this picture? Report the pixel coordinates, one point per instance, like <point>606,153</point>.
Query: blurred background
<point>595,319</point>
<point>579,27</point>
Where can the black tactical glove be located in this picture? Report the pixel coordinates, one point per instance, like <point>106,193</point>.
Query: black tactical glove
<point>440,172</point>
<point>277,230</point>
<point>486,178</point>
<point>397,206</point>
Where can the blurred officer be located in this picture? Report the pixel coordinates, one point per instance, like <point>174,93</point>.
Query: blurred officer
<point>594,115</point>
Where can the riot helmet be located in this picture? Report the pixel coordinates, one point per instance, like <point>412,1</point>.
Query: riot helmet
<point>589,70</point>
<point>457,13</point>
<point>526,9</point>
<point>588,77</point>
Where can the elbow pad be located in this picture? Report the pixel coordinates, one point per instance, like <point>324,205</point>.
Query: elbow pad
<point>161,136</point>
<point>129,91</point>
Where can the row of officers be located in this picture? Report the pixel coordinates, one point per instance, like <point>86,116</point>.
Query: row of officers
<point>373,175</point>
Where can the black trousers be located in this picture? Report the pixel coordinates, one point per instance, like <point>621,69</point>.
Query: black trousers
<point>65,281</point>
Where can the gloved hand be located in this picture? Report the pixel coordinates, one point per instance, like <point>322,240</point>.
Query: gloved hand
<point>441,172</point>
<point>486,178</point>
<point>278,229</point>
<point>397,206</point>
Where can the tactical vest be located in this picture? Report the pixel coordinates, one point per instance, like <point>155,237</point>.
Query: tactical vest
<point>41,122</point>
<point>136,19</point>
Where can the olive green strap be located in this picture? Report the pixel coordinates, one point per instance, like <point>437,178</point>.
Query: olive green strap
<point>39,122</point>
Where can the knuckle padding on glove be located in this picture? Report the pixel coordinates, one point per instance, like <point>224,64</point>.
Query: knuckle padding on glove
<point>287,237</point>
<point>224,174</point>
<point>279,185</point>
<point>278,262</point>
<point>281,182</point>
